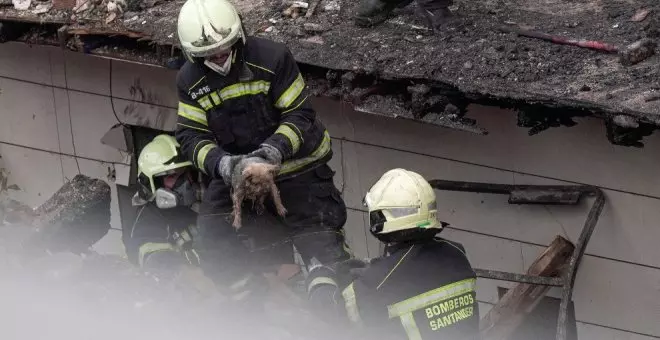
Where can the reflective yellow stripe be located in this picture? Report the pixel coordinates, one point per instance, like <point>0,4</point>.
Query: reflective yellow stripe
<point>320,152</point>
<point>243,89</point>
<point>205,102</point>
<point>291,135</point>
<point>201,155</point>
<point>192,113</point>
<point>150,248</point>
<point>431,297</point>
<point>350,302</point>
<point>260,67</point>
<point>197,83</point>
<point>194,127</point>
<point>409,324</point>
<point>291,94</point>
<point>295,107</point>
<point>321,280</point>
<point>216,98</point>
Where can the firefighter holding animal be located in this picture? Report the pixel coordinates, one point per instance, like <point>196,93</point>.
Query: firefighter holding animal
<point>424,286</point>
<point>243,100</point>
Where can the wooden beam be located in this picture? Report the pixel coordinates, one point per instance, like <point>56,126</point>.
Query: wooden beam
<point>509,313</point>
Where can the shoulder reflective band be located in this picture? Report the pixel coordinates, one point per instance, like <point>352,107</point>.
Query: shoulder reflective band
<point>350,303</point>
<point>289,96</point>
<point>192,113</point>
<point>244,89</point>
<point>150,248</point>
<point>296,164</point>
<point>291,135</point>
<point>201,155</point>
<point>431,297</point>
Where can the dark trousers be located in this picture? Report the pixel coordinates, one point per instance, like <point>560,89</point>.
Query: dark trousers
<point>316,214</point>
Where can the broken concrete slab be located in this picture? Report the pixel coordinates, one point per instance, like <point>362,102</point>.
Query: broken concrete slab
<point>471,56</point>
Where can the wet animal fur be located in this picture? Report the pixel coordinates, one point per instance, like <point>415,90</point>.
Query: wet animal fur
<point>257,182</point>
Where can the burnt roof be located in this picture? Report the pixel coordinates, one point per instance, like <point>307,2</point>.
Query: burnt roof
<point>473,55</point>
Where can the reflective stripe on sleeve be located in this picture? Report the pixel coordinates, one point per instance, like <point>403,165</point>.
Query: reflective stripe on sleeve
<point>296,164</point>
<point>201,155</point>
<point>150,248</point>
<point>321,280</point>
<point>192,113</point>
<point>291,94</point>
<point>350,303</point>
<point>291,135</point>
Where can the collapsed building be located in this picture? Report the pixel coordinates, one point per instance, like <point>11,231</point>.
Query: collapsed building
<point>485,84</point>
<point>402,69</point>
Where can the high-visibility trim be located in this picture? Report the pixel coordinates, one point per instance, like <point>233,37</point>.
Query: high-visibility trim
<point>192,113</point>
<point>260,67</point>
<point>205,102</point>
<point>244,89</point>
<point>201,155</point>
<point>150,248</point>
<point>395,267</point>
<point>291,94</point>
<point>197,83</point>
<point>291,135</point>
<point>321,280</point>
<point>194,127</point>
<point>431,297</point>
<point>295,107</point>
<point>296,164</point>
<point>216,98</point>
<point>200,143</point>
<point>409,324</point>
<point>350,302</point>
<point>296,130</point>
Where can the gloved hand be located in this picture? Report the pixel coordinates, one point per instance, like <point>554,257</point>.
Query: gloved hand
<point>226,166</point>
<point>268,152</point>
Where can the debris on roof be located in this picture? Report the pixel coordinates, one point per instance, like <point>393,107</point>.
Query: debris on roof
<point>519,53</point>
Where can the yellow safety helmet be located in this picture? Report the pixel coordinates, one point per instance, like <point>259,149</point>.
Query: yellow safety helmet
<point>208,27</point>
<point>402,207</point>
<point>162,156</point>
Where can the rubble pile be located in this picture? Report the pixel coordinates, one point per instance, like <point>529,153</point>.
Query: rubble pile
<point>479,56</point>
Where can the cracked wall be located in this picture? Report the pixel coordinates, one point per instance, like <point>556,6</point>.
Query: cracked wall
<point>51,102</point>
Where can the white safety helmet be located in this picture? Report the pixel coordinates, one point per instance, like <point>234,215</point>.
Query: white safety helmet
<point>402,207</point>
<point>209,27</point>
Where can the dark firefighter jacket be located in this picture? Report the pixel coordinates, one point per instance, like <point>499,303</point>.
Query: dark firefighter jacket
<point>153,231</point>
<point>262,100</point>
<point>423,290</point>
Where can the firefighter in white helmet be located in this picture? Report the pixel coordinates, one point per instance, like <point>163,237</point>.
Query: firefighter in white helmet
<point>424,286</point>
<point>242,99</point>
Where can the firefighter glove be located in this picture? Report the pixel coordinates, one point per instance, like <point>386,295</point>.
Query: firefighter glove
<point>268,152</point>
<point>226,167</point>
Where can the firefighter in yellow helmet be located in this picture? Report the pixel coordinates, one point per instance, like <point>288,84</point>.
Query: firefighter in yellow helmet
<point>160,238</point>
<point>423,287</point>
<point>242,99</point>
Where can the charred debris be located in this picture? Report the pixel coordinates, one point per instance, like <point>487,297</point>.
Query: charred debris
<point>141,31</point>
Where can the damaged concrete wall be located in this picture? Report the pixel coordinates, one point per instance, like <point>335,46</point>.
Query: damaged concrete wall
<point>616,290</point>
